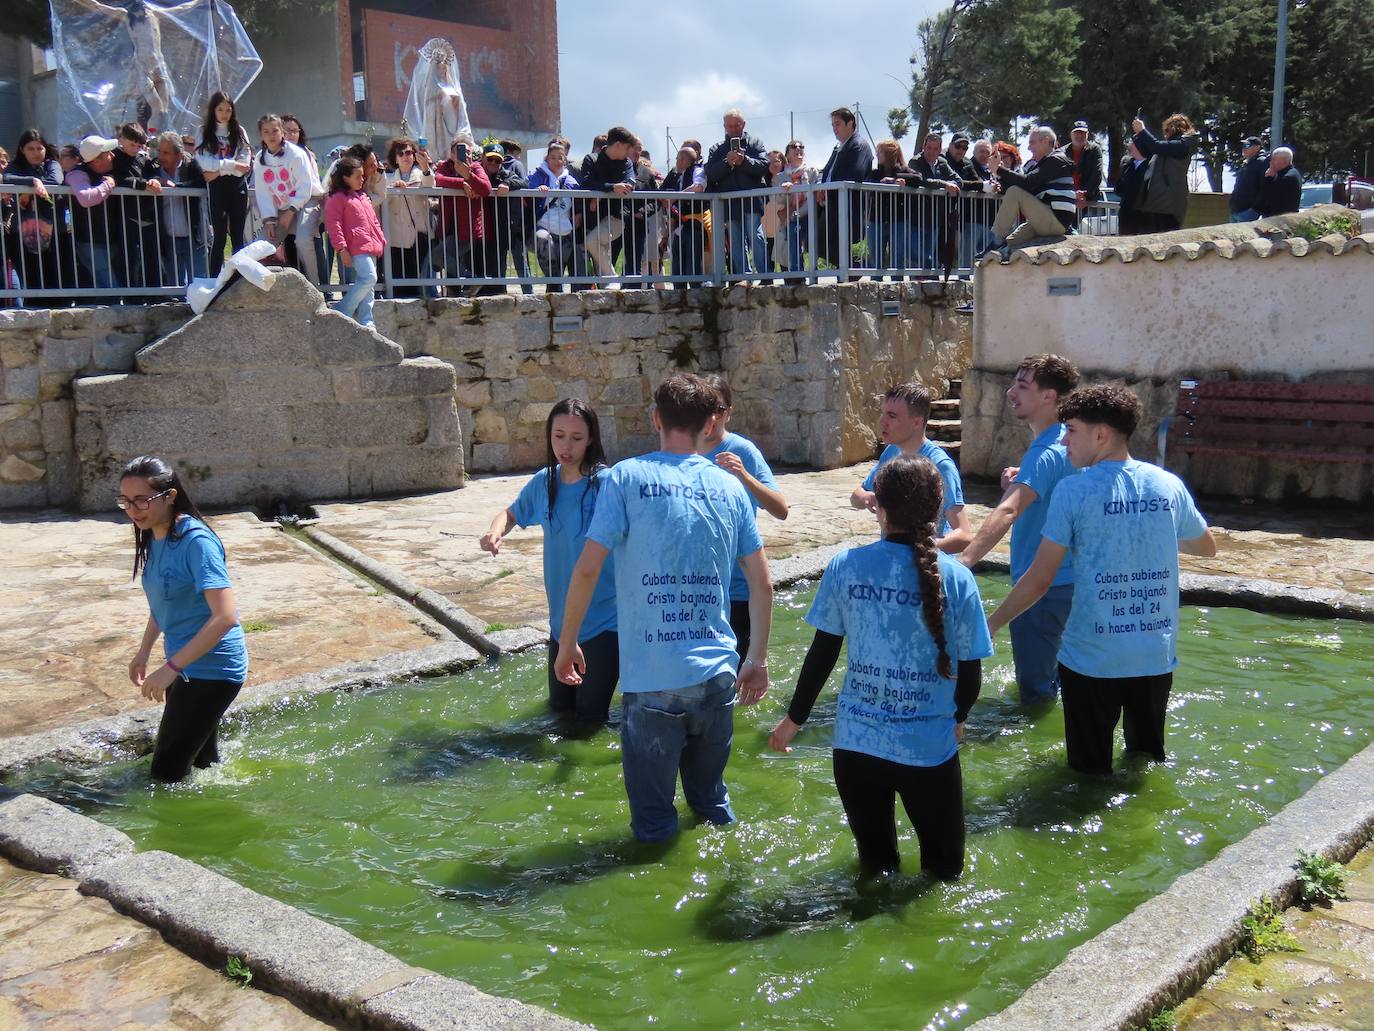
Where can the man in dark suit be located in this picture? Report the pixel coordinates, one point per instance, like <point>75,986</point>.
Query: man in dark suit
<point>1086,157</point>
<point>850,162</point>
<point>1281,189</point>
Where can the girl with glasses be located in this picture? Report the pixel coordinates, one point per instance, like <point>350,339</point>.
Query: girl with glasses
<point>180,563</point>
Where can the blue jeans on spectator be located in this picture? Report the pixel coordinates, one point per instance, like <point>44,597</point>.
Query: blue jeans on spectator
<point>357,300</point>
<point>889,244</point>
<point>1248,215</point>
<point>796,243</point>
<point>667,733</point>
<point>973,239</point>
<point>742,225</point>
<point>183,260</point>
<point>95,259</point>
<point>1035,636</point>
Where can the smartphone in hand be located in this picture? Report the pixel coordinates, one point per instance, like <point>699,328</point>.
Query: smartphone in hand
<point>735,143</point>
<point>462,153</point>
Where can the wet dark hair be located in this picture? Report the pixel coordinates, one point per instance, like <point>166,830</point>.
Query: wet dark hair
<point>716,381</point>
<point>1106,405</point>
<point>342,169</point>
<point>29,136</point>
<point>685,402</point>
<point>160,477</point>
<point>594,459</point>
<point>912,495</point>
<point>916,396</point>
<point>1050,372</point>
<point>208,141</point>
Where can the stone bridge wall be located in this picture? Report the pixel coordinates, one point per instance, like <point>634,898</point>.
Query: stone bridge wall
<point>805,364</point>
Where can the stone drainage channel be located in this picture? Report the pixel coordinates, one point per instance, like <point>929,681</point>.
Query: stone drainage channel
<point>1153,959</point>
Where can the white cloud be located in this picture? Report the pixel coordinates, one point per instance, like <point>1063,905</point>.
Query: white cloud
<point>696,105</point>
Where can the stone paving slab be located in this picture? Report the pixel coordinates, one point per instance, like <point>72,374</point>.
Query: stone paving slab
<point>1328,985</point>
<point>72,618</point>
<point>71,962</point>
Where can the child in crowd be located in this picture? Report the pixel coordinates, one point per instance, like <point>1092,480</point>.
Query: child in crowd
<point>226,158</point>
<point>742,459</point>
<point>1123,523</point>
<point>284,180</point>
<point>910,614</point>
<point>556,220</point>
<point>677,525</point>
<point>191,606</point>
<point>561,498</point>
<point>902,425</point>
<point>356,234</point>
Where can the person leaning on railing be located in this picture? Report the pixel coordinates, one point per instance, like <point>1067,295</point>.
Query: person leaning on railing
<point>181,222</point>
<point>95,228</point>
<point>611,173</point>
<point>556,245</point>
<point>969,159</point>
<point>135,169</point>
<point>460,226</point>
<point>408,169</point>
<point>795,173</point>
<point>930,214</point>
<point>689,220</point>
<point>502,222</point>
<point>34,240</point>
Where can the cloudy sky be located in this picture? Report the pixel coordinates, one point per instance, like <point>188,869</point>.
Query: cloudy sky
<point>680,65</point>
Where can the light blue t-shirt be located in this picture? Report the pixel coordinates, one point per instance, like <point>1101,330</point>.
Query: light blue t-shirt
<point>1122,522</point>
<point>564,534</point>
<point>677,526</point>
<point>949,472</point>
<point>175,578</point>
<point>894,703</point>
<point>1045,463</point>
<point>757,467</point>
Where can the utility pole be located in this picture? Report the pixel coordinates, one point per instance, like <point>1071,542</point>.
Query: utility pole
<point>1280,63</point>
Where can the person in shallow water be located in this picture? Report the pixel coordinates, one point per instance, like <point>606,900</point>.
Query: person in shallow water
<point>561,498</point>
<point>910,613</point>
<point>1124,523</point>
<point>677,525</point>
<point>191,606</point>
<point>742,459</point>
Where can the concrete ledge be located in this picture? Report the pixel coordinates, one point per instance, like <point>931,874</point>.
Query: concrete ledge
<point>1164,950</point>
<point>466,626</point>
<point>519,639</point>
<point>315,964</point>
<point>94,741</point>
<point>44,836</point>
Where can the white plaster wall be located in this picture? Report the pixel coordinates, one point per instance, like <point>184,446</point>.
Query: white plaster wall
<point>1294,316</point>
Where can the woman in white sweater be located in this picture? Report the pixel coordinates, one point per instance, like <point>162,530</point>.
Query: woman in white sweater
<point>284,181</point>
<point>406,216</point>
<point>226,158</point>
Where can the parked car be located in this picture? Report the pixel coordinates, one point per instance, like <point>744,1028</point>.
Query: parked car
<point>1314,194</point>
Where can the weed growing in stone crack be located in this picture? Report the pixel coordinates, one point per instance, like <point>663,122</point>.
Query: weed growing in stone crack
<point>1262,931</point>
<point>256,626</point>
<point>1319,879</point>
<point>237,969</point>
<point>494,627</point>
<point>1164,1021</point>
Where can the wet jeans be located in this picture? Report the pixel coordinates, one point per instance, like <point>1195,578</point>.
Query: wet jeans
<point>1035,637</point>
<point>664,733</point>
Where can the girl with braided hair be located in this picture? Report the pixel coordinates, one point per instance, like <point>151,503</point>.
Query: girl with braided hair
<point>917,635</point>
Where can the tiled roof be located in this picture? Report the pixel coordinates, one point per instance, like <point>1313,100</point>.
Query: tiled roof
<point>1261,239</point>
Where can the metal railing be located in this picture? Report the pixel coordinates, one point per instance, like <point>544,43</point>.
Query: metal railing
<point>138,247</point>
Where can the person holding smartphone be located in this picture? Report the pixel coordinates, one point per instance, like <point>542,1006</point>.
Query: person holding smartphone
<point>737,163</point>
<point>460,225</point>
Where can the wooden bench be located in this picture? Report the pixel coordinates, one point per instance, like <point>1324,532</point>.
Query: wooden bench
<point>1308,422</point>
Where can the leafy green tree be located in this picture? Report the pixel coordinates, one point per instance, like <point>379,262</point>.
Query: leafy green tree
<point>932,67</point>
<point>1236,85</point>
<point>898,122</point>
<point>1329,116</point>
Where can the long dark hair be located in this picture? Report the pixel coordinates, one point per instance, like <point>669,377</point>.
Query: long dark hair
<point>594,459</point>
<point>304,141</point>
<point>160,477</point>
<point>209,142</point>
<point>30,135</point>
<point>343,168</point>
<point>912,494</point>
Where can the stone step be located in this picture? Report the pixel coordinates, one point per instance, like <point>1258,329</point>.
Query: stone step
<point>946,408</point>
<point>944,429</point>
<point>951,448</point>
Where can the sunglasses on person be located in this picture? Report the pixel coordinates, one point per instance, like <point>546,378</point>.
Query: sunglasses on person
<point>139,504</point>
<point>406,150</point>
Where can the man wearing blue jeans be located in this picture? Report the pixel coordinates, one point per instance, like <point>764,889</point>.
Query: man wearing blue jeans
<point>678,525</point>
<point>1042,381</point>
<point>740,162</point>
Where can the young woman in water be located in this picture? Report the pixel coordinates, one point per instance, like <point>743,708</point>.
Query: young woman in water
<point>910,613</point>
<point>191,606</point>
<point>561,498</point>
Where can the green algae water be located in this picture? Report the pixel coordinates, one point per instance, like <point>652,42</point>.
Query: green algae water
<point>450,822</point>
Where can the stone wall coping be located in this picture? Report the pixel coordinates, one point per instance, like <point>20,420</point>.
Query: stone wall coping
<point>42,835</point>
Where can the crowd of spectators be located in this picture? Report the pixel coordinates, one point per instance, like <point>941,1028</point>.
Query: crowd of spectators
<point>190,200</point>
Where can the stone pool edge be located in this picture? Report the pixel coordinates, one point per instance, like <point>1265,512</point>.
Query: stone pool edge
<point>1164,950</point>
<point>320,967</point>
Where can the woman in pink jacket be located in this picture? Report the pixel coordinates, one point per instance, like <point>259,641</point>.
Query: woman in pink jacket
<point>356,235</point>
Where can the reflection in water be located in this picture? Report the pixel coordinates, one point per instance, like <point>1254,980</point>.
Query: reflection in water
<point>504,882</point>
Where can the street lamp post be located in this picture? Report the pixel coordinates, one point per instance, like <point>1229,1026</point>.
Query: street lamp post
<point>1280,62</point>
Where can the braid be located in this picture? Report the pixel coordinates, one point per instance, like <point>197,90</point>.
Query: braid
<point>932,594</point>
<point>911,493</point>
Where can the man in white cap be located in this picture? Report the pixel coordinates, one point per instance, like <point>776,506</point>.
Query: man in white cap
<point>93,228</point>
<point>1087,166</point>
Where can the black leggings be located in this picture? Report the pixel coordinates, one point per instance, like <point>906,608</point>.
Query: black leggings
<point>1094,705</point>
<point>228,213</point>
<point>739,623</point>
<point>189,732</point>
<point>933,797</point>
<point>589,701</point>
